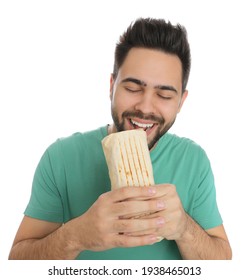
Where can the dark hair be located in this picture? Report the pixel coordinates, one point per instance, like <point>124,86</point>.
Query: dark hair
<point>155,34</point>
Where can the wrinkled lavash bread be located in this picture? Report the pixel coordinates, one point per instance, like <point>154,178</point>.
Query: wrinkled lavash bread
<point>128,159</point>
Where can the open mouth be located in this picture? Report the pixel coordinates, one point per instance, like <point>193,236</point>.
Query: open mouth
<point>138,125</point>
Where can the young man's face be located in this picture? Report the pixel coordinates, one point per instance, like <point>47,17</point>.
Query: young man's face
<point>147,93</point>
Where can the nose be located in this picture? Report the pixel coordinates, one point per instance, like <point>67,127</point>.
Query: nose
<point>145,104</point>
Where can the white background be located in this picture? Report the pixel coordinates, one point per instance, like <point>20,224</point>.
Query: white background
<point>55,63</point>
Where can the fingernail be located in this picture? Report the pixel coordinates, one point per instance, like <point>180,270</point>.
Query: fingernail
<point>160,221</point>
<point>159,238</point>
<point>160,205</point>
<point>156,239</point>
<point>151,191</point>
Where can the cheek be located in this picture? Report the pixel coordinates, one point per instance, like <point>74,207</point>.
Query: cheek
<point>121,102</point>
<point>168,110</point>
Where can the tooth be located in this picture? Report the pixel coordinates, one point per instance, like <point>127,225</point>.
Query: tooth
<point>144,125</point>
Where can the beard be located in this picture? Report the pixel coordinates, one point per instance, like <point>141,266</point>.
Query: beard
<point>162,128</point>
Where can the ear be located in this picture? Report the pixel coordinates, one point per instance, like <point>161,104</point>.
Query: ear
<point>183,98</point>
<point>112,81</point>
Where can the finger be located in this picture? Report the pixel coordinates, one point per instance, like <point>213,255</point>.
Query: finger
<point>137,208</point>
<point>164,190</point>
<point>134,241</point>
<point>126,193</point>
<point>142,232</point>
<point>135,225</point>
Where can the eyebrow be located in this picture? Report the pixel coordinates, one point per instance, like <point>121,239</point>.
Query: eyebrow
<point>133,80</point>
<point>142,83</point>
<point>166,87</point>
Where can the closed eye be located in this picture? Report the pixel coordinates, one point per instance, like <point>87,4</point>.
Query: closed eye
<point>132,90</point>
<point>165,97</point>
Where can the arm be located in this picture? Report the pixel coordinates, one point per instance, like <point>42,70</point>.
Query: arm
<point>97,229</point>
<point>192,240</point>
<point>198,244</point>
<point>37,239</point>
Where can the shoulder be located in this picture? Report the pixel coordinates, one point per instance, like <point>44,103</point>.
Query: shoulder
<point>78,139</point>
<point>192,152</point>
<point>180,144</point>
<point>180,150</point>
<point>178,140</point>
<point>76,145</point>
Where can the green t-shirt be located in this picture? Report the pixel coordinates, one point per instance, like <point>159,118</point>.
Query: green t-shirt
<point>73,172</point>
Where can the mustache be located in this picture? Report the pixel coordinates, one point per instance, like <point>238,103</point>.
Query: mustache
<point>140,115</point>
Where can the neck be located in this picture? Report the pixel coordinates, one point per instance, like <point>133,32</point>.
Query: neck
<point>111,129</point>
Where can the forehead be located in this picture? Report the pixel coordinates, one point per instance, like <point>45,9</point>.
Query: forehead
<point>152,66</point>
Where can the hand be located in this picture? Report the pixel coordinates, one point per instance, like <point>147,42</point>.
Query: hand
<point>175,218</point>
<point>104,225</point>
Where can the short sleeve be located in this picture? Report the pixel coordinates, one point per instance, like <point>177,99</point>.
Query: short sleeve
<point>45,202</point>
<point>205,209</point>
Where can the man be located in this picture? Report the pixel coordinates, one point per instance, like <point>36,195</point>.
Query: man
<point>73,214</point>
